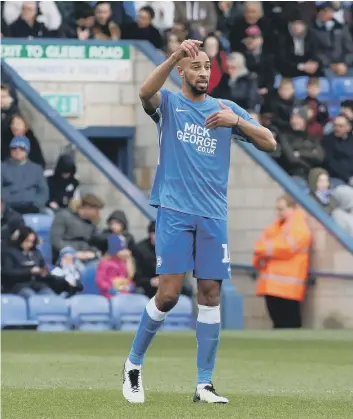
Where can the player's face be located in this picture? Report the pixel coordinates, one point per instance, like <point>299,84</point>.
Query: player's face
<point>196,73</point>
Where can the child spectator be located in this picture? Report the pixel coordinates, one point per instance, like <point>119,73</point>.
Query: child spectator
<point>69,268</point>
<point>318,113</point>
<point>218,60</point>
<point>319,185</point>
<point>63,186</point>
<point>283,104</point>
<point>116,269</point>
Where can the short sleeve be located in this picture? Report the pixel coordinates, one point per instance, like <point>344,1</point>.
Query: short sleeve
<point>159,112</point>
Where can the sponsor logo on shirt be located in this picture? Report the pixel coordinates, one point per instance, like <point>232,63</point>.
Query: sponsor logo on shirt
<point>198,137</point>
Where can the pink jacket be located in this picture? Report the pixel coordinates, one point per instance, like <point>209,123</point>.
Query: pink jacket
<point>107,271</point>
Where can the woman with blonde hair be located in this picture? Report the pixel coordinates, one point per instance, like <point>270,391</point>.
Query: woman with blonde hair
<point>238,85</point>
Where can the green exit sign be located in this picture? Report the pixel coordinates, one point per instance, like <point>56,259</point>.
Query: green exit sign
<point>66,104</point>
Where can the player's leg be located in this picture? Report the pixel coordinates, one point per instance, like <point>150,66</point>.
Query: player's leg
<point>211,266</point>
<point>174,251</point>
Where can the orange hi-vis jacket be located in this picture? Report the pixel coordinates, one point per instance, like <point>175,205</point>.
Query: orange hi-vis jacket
<point>282,258</point>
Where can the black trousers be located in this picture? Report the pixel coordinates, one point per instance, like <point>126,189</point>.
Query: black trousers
<point>285,314</point>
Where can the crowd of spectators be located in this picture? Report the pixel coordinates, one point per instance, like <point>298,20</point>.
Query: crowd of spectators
<point>256,49</point>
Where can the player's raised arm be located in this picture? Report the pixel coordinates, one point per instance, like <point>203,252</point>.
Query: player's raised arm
<point>149,91</point>
<point>260,136</point>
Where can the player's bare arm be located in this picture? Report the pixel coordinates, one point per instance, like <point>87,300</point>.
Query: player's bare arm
<point>261,137</point>
<point>149,91</point>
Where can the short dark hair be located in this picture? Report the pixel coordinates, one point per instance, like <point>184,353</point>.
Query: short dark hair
<point>347,104</point>
<point>149,10</point>
<point>342,115</point>
<point>20,235</point>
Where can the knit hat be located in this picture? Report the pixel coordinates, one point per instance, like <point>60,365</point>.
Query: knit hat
<point>302,112</point>
<point>253,31</point>
<point>67,251</point>
<point>20,142</point>
<point>115,244</point>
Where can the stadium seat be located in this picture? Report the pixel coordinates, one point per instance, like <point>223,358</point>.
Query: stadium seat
<point>333,109</point>
<point>181,316</point>
<point>14,313</point>
<point>342,87</point>
<point>41,224</point>
<point>127,310</point>
<point>89,279</point>
<point>90,312</point>
<point>325,90</point>
<point>51,312</point>
<point>300,84</point>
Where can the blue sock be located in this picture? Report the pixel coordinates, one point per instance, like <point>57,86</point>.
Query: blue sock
<point>151,320</point>
<point>208,328</point>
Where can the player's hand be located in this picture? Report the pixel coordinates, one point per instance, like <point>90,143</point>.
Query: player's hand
<point>189,48</point>
<point>223,118</point>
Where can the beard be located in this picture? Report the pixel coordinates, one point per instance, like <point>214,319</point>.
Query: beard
<point>195,90</point>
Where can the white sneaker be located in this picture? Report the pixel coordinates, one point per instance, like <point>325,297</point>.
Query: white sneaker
<point>132,385</point>
<point>207,394</point>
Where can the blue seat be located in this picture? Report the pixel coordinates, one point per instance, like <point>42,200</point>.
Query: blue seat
<point>127,310</point>
<point>325,90</point>
<point>300,84</point>
<point>14,313</point>
<point>89,279</point>
<point>181,316</point>
<point>90,312</point>
<point>333,109</point>
<point>51,312</point>
<point>342,87</point>
<point>41,224</point>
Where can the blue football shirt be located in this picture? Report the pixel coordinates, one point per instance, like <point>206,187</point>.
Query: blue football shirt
<point>193,166</point>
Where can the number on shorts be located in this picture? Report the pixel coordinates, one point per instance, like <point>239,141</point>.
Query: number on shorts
<point>226,256</point>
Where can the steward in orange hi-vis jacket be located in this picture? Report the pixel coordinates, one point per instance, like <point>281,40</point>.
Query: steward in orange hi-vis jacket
<point>281,256</point>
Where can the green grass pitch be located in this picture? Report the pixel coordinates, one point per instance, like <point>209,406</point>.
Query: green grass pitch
<point>265,374</point>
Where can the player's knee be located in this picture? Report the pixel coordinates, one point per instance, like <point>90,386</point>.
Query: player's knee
<point>165,301</point>
<point>209,294</point>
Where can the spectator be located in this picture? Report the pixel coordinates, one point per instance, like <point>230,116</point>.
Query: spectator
<point>172,43</point>
<point>332,40</point>
<point>146,278</point>
<point>296,50</point>
<point>24,186</point>
<point>218,60</point>
<point>227,12</point>
<point>164,13</point>
<point>200,15</point>
<point>338,148</point>
<point>283,104</point>
<point>266,121</point>
<point>346,109</point>
<point>259,61</point>
<point>253,15</point>
<point>281,256</point>
<point>84,22</point>
<point>300,151</point>
<point>63,186</point>
<point>238,85</point>
<point>318,113</point>
<point>343,215</point>
<point>19,128</point>
<point>104,27</point>
<point>320,191</point>
<point>117,224</point>
<point>77,229</point>
<point>143,29</point>
<point>23,270</point>
<point>47,13</point>
<point>69,268</point>
<point>10,222</point>
<point>8,109</point>
<point>28,25</point>
<point>117,268</point>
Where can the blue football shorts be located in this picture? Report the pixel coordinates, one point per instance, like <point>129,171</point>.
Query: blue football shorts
<point>186,242</point>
